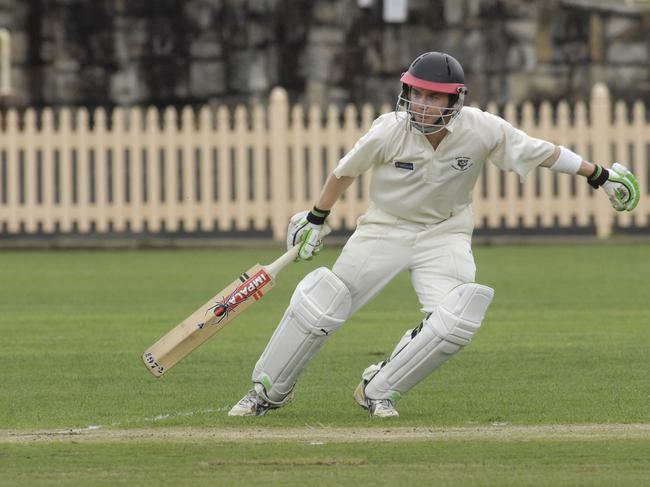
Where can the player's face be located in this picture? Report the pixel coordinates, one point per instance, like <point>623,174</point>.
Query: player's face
<point>428,106</point>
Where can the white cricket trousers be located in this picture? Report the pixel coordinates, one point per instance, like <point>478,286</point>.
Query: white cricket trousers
<point>437,256</point>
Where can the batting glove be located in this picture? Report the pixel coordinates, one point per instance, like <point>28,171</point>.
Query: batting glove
<point>619,184</point>
<point>304,230</point>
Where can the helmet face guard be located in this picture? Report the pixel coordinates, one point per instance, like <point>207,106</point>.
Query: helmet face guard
<point>418,111</point>
<point>437,72</point>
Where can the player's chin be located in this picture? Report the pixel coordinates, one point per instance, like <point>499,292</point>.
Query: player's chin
<point>423,117</point>
<point>424,121</point>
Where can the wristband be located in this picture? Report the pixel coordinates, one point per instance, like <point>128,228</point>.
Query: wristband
<point>317,216</point>
<point>567,162</point>
<point>598,177</point>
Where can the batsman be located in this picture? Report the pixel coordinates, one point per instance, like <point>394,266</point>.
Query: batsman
<point>425,158</point>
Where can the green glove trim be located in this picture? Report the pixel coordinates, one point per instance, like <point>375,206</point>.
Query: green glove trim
<point>623,177</point>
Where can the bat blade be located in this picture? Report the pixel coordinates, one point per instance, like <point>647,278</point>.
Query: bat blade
<point>224,307</point>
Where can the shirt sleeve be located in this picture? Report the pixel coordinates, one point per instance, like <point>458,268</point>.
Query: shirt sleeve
<point>367,151</point>
<point>517,151</point>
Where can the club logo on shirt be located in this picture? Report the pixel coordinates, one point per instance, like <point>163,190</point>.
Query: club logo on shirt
<point>462,163</point>
<point>404,165</point>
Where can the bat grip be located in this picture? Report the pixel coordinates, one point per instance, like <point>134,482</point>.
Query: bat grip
<point>290,255</point>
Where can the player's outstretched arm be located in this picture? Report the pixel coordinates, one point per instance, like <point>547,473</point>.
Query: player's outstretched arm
<point>305,227</point>
<point>618,182</point>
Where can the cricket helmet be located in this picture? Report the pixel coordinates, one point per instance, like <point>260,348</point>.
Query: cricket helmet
<point>438,72</point>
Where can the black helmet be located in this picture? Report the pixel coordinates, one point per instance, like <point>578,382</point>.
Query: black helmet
<point>433,71</point>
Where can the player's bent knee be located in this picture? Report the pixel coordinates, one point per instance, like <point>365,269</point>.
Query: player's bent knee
<point>449,328</point>
<point>321,302</point>
<point>460,313</point>
<point>319,306</point>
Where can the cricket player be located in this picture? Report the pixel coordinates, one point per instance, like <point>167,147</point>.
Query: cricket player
<point>425,159</point>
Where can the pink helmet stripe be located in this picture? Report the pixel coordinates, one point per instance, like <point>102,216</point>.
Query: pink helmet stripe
<point>411,80</point>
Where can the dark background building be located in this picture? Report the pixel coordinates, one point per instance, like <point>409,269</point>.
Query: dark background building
<point>162,52</point>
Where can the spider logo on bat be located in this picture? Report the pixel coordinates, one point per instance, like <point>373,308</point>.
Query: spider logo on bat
<point>251,287</point>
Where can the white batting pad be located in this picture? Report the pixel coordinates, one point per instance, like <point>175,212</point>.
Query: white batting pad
<point>449,328</point>
<point>319,306</point>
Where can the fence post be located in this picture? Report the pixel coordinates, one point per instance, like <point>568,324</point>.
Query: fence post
<point>601,137</point>
<point>278,143</point>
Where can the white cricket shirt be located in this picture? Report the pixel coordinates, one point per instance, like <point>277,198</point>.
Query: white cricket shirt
<point>413,181</point>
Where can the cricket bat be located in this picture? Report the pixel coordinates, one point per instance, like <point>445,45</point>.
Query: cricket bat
<point>220,310</point>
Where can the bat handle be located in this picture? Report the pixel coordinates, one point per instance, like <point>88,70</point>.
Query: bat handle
<point>290,255</point>
<point>281,262</point>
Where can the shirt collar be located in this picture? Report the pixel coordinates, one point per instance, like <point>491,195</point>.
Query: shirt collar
<point>450,126</point>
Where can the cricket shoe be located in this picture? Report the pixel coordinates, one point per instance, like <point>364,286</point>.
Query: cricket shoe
<point>379,408</point>
<point>254,404</point>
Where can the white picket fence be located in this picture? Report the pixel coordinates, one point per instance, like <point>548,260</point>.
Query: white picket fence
<point>248,170</point>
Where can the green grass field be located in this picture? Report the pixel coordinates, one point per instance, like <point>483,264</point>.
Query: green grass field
<point>565,343</point>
